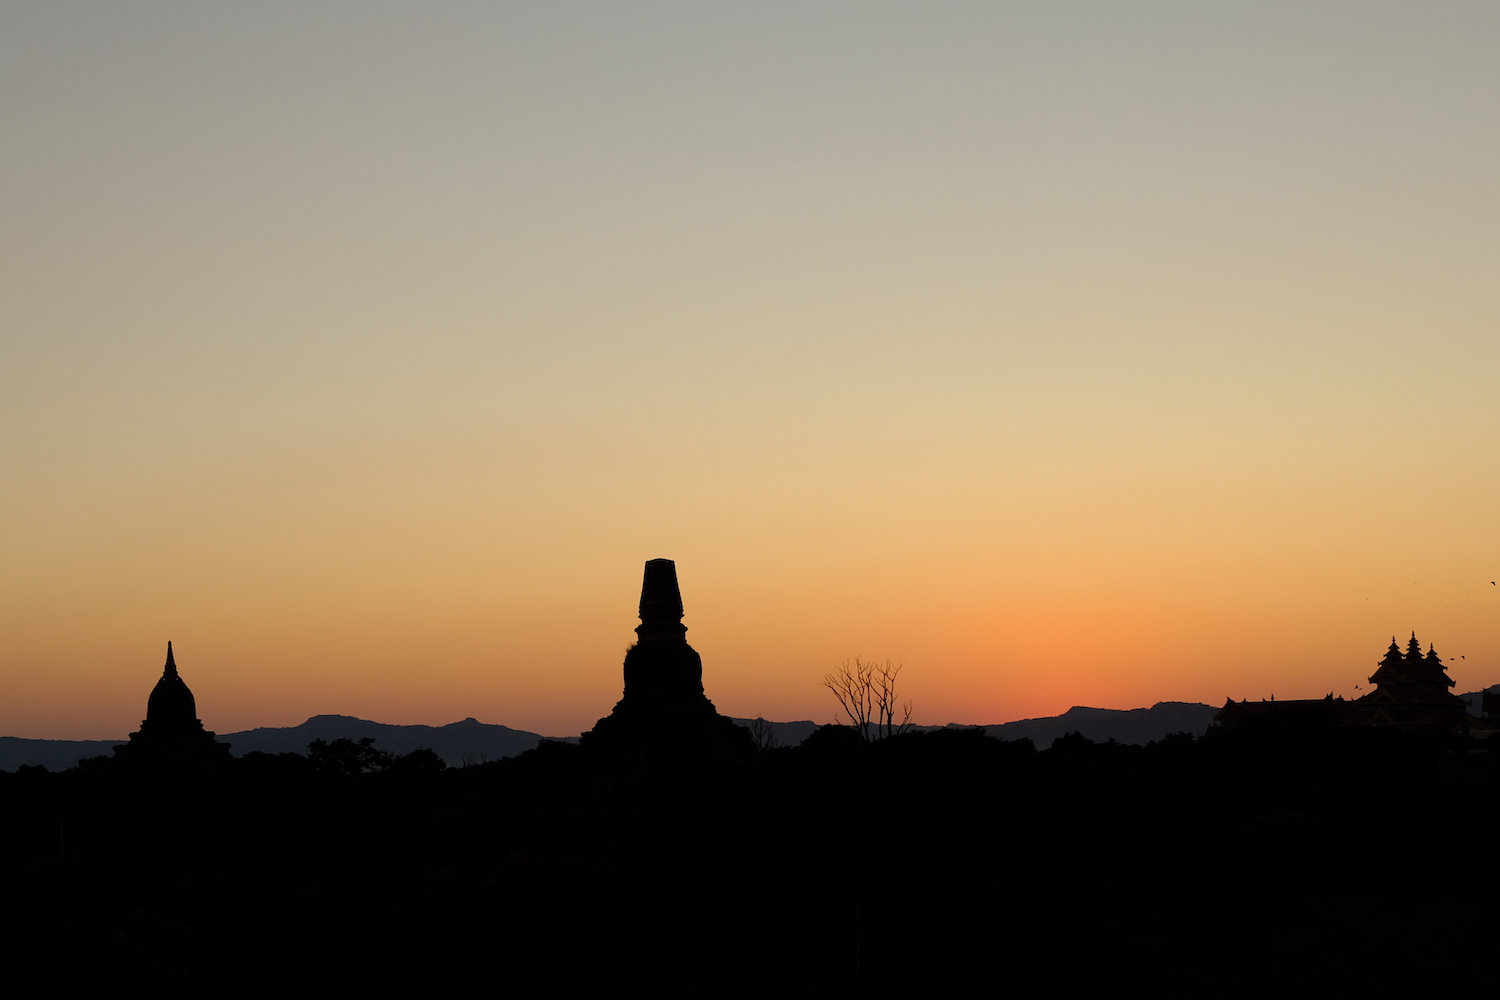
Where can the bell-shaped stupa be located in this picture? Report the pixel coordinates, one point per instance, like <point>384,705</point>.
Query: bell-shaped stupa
<point>172,729</point>
<point>664,712</point>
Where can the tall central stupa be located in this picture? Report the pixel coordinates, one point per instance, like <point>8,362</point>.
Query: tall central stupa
<point>664,712</point>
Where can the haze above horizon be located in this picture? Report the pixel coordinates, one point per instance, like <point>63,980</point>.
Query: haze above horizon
<point>1065,353</point>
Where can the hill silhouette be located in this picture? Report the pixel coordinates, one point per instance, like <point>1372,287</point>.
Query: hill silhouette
<point>471,741</point>
<point>457,743</point>
<point>1474,700</point>
<point>54,755</point>
<point>787,734</point>
<point>1137,726</point>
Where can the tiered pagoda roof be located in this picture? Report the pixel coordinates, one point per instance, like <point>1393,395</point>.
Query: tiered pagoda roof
<point>1411,691</point>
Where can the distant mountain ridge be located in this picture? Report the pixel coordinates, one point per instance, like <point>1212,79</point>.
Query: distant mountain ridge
<point>1133,725</point>
<point>1124,725</point>
<point>54,755</point>
<point>1474,700</point>
<point>458,743</point>
<point>471,741</point>
<point>785,734</point>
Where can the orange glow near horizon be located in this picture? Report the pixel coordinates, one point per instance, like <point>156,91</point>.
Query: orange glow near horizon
<point>1063,358</point>
<point>544,662</point>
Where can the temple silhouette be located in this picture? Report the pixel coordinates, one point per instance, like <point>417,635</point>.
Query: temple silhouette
<point>668,855</point>
<point>664,711</point>
<point>1411,694</point>
<point>172,731</point>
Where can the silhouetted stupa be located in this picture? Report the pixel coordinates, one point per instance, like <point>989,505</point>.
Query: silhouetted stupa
<point>664,712</point>
<point>172,729</point>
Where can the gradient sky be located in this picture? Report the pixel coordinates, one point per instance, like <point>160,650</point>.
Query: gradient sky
<point>1066,353</point>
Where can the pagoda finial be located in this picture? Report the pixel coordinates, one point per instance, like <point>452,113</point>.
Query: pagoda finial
<point>171,670</point>
<point>661,602</point>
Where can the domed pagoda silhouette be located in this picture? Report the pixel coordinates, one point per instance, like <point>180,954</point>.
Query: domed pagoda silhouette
<point>172,730</point>
<point>664,712</point>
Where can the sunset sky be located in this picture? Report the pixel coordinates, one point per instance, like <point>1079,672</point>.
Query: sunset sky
<point>1066,353</point>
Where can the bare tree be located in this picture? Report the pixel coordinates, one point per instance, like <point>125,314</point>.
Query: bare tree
<point>888,701</point>
<point>763,733</point>
<point>867,695</point>
<point>851,686</point>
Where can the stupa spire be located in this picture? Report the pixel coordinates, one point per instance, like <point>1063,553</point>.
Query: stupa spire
<point>171,668</point>
<point>661,603</point>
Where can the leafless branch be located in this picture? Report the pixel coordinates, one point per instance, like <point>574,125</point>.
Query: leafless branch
<point>867,695</point>
<point>763,733</point>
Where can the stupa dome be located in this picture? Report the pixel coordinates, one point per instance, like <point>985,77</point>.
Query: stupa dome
<point>171,702</point>
<point>171,729</point>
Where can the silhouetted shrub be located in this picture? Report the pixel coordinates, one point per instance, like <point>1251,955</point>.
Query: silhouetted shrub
<point>418,762</point>
<point>346,757</point>
<point>833,740</point>
<point>1071,745</point>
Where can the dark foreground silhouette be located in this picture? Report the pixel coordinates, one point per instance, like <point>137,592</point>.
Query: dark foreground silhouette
<point>929,858</point>
<point>671,853</point>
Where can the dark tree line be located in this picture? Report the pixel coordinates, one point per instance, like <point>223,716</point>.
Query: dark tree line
<point>919,861</point>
